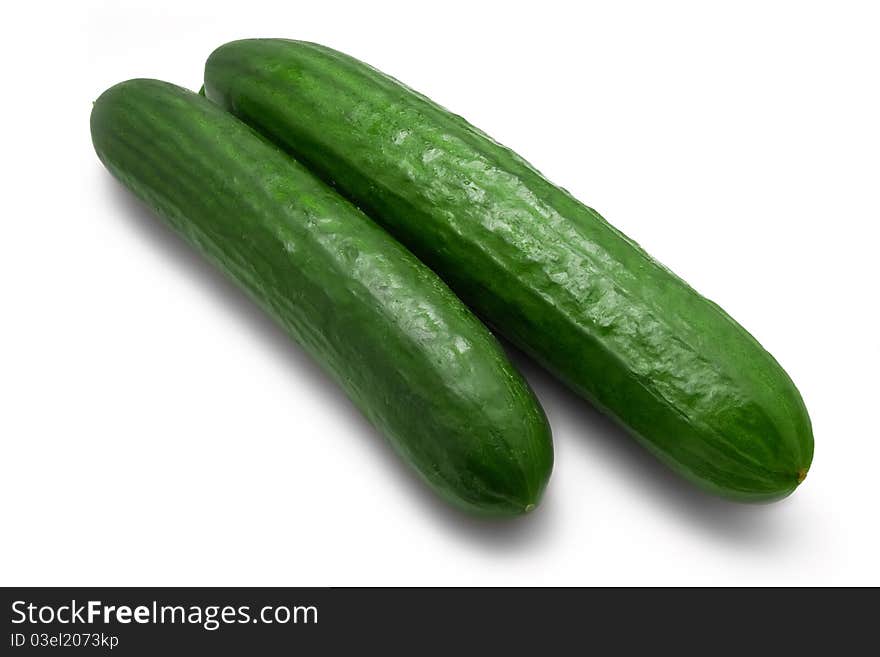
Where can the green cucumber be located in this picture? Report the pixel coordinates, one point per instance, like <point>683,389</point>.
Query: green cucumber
<point>407,352</point>
<point>543,269</point>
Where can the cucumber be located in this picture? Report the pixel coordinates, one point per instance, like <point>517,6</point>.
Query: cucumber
<point>544,270</point>
<point>410,355</point>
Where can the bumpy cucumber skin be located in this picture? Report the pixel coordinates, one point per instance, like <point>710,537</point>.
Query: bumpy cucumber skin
<point>404,348</point>
<point>546,271</point>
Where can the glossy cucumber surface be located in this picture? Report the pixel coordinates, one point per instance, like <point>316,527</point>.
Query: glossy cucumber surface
<point>543,269</point>
<point>411,356</point>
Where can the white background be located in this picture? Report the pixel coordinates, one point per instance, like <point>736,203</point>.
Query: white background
<point>157,429</point>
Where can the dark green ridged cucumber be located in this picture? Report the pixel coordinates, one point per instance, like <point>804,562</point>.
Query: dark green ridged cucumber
<point>545,270</point>
<point>409,354</point>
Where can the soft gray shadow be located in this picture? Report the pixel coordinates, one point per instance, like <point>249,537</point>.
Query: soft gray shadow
<point>494,533</point>
<point>747,525</point>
